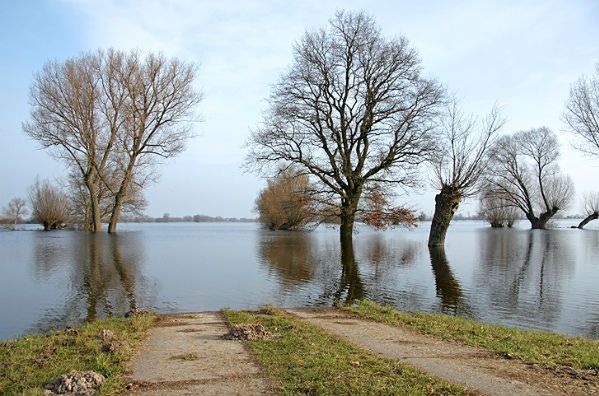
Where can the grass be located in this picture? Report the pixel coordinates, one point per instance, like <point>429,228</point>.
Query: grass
<point>540,347</point>
<point>307,360</point>
<point>27,364</point>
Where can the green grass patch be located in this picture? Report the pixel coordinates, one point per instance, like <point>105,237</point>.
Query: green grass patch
<point>307,360</point>
<point>27,364</point>
<point>531,346</point>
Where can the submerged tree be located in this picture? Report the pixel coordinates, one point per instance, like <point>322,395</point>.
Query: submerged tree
<point>458,164</point>
<point>160,100</point>
<point>49,205</point>
<point>13,211</point>
<point>107,114</point>
<point>353,110</point>
<point>582,113</point>
<point>498,212</point>
<point>524,173</point>
<point>591,209</point>
<point>286,203</point>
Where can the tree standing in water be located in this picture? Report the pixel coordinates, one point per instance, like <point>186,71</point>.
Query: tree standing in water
<point>591,209</point>
<point>458,164</point>
<point>353,110</point>
<point>523,171</point>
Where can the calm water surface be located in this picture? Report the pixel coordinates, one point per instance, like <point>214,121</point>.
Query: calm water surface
<point>532,279</point>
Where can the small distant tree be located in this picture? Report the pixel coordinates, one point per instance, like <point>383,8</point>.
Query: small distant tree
<point>13,211</point>
<point>582,113</point>
<point>49,205</point>
<point>524,172</point>
<point>498,212</point>
<point>591,209</point>
<point>459,163</point>
<point>286,203</point>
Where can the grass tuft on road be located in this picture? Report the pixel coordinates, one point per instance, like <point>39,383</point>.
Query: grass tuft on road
<point>540,347</point>
<point>27,364</point>
<point>306,360</point>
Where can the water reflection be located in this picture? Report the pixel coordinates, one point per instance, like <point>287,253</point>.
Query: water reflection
<point>540,279</point>
<point>524,272</point>
<point>290,255</point>
<point>104,271</point>
<point>350,287</point>
<point>447,286</point>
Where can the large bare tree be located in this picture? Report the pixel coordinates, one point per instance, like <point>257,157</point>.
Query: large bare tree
<point>458,163</point>
<point>106,114</point>
<point>76,112</point>
<point>354,109</point>
<point>582,113</point>
<point>524,173</point>
<point>159,105</point>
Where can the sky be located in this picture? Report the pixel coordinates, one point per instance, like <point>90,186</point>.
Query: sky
<point>521,55</point>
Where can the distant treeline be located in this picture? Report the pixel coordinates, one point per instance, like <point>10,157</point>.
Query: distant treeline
<point>166,218</point>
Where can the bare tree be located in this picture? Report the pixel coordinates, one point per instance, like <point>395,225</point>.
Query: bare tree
<point>524,173</point>
<point>15,208</point>
<point>160,99</point>
<point>77,113</point>
<point>498,212</point>
<point>591,209</point>
<point>458,164</point>
<point>582,113</point>
<point>354,109</point>
<point>286,203</point>
<point>50,206</point>
<point>107,114</point>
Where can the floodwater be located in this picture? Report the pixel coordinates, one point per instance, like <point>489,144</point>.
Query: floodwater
<point>530,279</point>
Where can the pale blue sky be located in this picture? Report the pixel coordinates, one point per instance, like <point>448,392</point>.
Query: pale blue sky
<point>521,54</point>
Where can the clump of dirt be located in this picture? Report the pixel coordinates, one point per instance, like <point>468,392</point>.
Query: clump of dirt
<point>249,332</point>
<point>185,356</point>
<point>75,383</point>
<point>70,331</point>
<point>138,312</point>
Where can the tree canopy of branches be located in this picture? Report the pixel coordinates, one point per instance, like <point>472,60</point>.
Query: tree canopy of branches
<point>591,209</point>
<point>582,113</point>
<point>498,212</point>
<point>107,115</point>
<point>458,163</point>
<point>354,109</point>
<point>49,205</point>
<point>523,171</point>
<point>286,203</point>
<point>13,211</point>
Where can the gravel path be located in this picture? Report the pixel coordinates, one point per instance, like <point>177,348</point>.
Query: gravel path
<point>474,368</point>
<point>185,355</point>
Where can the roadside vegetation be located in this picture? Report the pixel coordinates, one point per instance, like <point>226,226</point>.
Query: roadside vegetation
<point>530,346</point>
<point>27,364</point>
<point>303,359</point>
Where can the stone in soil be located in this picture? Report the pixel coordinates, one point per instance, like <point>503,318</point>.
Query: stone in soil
<point>75,383</point>
<point>248,332</point>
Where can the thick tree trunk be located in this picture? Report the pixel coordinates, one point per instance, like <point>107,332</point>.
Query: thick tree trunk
<point>119,200</point>
<point>46,226</point>
<point>540,223</point>
<point>446,204</point>
<point>349,207</point>
<point>96,218</point>
<point>589,218</point>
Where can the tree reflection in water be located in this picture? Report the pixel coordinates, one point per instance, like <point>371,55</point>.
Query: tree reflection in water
<point>350,287</point>
<point>447,286</point>
<point>102,280</point>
